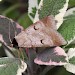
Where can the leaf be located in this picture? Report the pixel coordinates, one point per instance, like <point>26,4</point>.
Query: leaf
<point>2,52</point>
<point>57,8</point>
<point>33,5</point>
<point>24,20</point>
<point>12,11</point>
<point>51,56</point>
<point>2,7</point>
<point>40,34</point>
<point>12,66</point>
<point>67,29</point>
<point>72,60</point>
<point>70,66</point>
<point>69,46</point>
<point>71,3</point>
<point>8,30</point>
<point>39,1</point>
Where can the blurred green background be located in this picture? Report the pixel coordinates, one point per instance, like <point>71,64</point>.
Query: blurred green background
<point>17,10</point>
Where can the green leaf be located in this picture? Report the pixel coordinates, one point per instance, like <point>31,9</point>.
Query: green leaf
<point>70,46</point>
<point>67,29</point>
<point>39,1</point>
<point>33,12</point>
<point>13,14</point>
<point>10,66</point>
<point>12,11</point>
<point>70,66</point>
<point>71,3</point>
<point>2,52</point>
<point>59,71</point>
<point>51,7</point>
<point>57,8</point>
<point>24,20</point>
<point>71,55</point>
<point>72,60</point>
<point>33,5</point>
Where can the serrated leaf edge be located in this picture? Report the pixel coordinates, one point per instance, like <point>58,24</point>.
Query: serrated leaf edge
<point>60,15</point>
<point>37,15</point>
<point>32,4</point>
<point>70,67</point>
<point>71,53</point>
<point>70,12</point>
<point>69,41</point>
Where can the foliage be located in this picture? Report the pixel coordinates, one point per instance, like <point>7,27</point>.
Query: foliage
<point>35,59</point>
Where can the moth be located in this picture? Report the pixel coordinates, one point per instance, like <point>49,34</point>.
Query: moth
<point>41,34</point>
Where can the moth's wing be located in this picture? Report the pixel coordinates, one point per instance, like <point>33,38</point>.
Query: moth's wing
<point>50,22</point>
<point>23,40</point>
<point>32,36</point>
<point>56,37</point>
<point>39,35</point>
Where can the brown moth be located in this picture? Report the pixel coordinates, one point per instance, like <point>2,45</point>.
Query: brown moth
<point>41,34</point>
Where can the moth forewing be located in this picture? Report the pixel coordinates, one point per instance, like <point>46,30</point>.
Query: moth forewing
<point>50,22</point>
<point>40,34</point>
